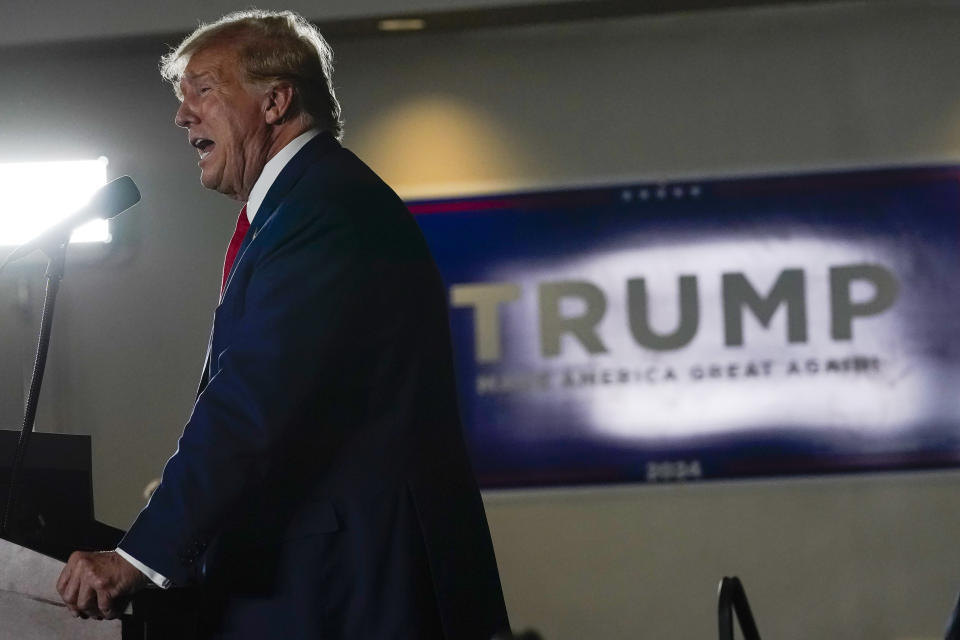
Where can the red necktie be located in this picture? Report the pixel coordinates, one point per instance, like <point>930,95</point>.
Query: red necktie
<point>243,224</point>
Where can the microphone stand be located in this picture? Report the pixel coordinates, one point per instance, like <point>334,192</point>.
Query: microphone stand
<point>56,253</point>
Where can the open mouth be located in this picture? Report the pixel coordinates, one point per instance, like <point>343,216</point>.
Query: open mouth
<point>204,146</point>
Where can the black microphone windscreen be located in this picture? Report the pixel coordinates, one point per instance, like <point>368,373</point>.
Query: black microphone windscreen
<point>115,197</point>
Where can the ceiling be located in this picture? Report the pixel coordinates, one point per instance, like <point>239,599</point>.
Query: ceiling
<point>61,21</point>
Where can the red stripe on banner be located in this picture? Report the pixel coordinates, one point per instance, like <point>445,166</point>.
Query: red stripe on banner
<point>558,199</point>
<point>462,205</point>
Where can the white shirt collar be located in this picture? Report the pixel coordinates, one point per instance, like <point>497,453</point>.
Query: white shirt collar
<point>273,168</point>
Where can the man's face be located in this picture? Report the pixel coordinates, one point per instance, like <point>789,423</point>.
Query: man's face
<point>224,118</point>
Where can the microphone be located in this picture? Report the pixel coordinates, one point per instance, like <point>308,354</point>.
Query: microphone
<point>109,201</point>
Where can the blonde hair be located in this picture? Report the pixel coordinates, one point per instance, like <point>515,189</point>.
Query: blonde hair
<point>271,46</point>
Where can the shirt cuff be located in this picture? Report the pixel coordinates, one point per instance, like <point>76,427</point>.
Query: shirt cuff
<point>155,577</point>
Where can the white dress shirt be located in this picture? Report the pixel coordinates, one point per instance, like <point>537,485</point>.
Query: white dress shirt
<point>273,168</point>
<point>259,191</point>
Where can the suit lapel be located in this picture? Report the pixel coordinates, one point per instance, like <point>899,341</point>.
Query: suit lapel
<point>291,173</point>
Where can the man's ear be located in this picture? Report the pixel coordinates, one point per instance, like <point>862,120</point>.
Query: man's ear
<point>279,102</point>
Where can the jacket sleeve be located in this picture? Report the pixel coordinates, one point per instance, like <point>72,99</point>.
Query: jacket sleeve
<point>301,313</point>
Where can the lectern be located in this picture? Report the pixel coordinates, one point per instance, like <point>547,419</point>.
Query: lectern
<point>53,518</point>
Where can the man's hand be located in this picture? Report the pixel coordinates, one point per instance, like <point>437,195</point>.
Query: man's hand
<point>98,585</point>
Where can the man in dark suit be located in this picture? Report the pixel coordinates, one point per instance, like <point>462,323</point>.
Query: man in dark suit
<point>321,488</point>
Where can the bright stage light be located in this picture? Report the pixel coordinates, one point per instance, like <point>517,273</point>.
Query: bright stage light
<point>36,195</point>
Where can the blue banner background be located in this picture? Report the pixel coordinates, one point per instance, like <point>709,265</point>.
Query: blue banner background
<point>617,415</point>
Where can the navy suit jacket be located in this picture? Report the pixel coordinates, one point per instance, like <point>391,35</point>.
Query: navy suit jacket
<point>321,488</point>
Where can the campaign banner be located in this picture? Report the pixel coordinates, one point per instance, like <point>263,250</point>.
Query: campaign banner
<point>690,330</point>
